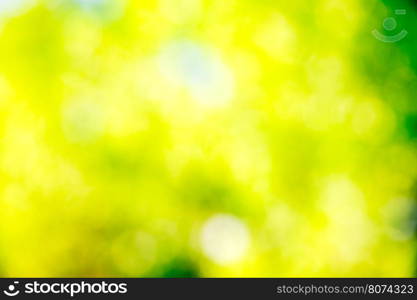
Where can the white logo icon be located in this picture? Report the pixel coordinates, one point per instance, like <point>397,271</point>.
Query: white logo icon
<point>390,24</point>
<point>12,291</point>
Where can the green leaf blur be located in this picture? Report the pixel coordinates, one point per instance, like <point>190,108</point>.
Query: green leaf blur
<point>206,138</point>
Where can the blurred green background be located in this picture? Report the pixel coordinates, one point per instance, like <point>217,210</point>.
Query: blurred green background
<point>207,138</point>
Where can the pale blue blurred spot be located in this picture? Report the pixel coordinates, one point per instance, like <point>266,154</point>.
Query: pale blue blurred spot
<point>11,6</point>
<point>91,4</point>
<point>208,79</point>
<point>105,9</point>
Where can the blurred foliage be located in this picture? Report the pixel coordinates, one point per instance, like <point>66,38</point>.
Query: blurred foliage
<point>186,138</point>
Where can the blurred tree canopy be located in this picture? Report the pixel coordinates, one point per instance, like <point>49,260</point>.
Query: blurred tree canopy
<point>187,138</point>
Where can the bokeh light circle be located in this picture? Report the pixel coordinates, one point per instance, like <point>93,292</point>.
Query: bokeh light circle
<point>224,239</point>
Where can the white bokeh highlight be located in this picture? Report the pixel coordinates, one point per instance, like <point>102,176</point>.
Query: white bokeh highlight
<point>224,239</point>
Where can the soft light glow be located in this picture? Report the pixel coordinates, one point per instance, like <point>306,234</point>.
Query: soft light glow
<point>224,239</point>
<point>208,80</point>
